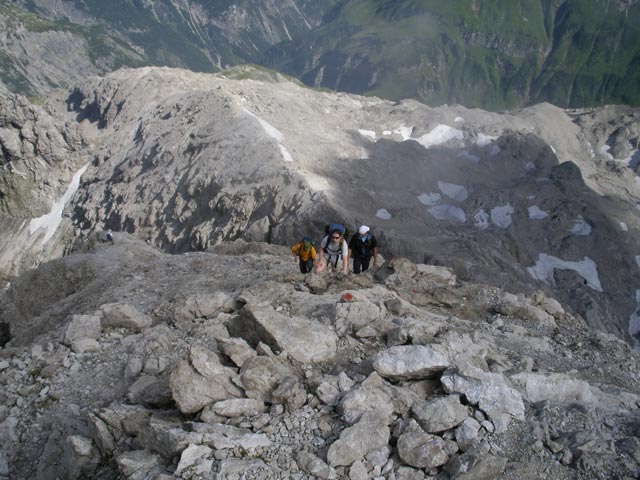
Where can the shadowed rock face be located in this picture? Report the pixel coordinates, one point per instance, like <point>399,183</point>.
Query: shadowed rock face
<point>426,371</point>
<point>523,200</point>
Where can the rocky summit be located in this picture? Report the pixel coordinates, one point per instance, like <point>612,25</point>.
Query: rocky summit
<point>126,362</point>
<point>494,339</point>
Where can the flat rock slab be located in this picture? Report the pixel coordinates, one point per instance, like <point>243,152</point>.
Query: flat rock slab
<point>407,362</point>
<point>306,340</point>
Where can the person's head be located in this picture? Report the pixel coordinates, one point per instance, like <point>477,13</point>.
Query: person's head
<point>335,236</point>
<point>363,230</point>
<point>306,243</point>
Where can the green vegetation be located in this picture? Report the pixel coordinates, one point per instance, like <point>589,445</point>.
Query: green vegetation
<point>492,54</point>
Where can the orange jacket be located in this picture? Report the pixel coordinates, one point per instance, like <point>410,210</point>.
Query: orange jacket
<point>302,253</point>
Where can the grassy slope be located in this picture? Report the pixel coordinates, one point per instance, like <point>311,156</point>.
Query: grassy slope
<point>491,53</point>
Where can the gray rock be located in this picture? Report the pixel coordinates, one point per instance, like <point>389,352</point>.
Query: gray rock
<point>311,464</point>
<point>152,391</point>
<point>123,315</point>
<point>421,450</point>
<point>102,435</point>
<point>226,436</point>
<point>82,326</point>
<point>195,462</point>
<point>85,345</point>
<point>370,396</point>
<point>357,313</point>
<point>409,362</point>
<point>490,392</point>
<point>237,349</point>
<point>408,473</point>
<point>553,386</point>
<point>439,414</point>
<point>202,381</point>
<point>358,471</point>
<point>201,305</point>
<point>370,433</point>
<point>136,464</point>
<point>260,376</point>
<point>307,341</point>
<point>476,464</point>
<point>80,458</point>
<point>238,407</point>
<point>291,393</point>
<point>467,433</point>
<point>4,465</point>
<point>167,437</point>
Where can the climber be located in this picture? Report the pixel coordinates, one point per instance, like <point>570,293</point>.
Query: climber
<point>306,253</point>
<point>333,247</point>
<point>362,247</point>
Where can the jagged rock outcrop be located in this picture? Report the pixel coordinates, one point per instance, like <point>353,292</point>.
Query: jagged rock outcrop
<point>511,395</point>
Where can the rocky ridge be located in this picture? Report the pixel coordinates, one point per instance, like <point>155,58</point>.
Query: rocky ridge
<point>148,365</point>
<point>538,198</point>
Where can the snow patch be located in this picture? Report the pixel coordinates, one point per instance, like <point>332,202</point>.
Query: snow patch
<point>580,227</point>
<point>368,134</point>
<point>483,140</point>
<point>544,268</point>
<point>604,150</point>
<point>481,219</point>
<point>624,227</point>
<point>404,132</point>
<point>529,166</point>
<point>51,221</point>
<point>429,199</point>
<point>274,133</point>
<point>448,212</point>
<point>494,150</point>
<point>458,119</point>
<point>501,215</point>
<point>383,214</point>
<point>453,191</point>
<point>536,213</point>
<point>439,135</point>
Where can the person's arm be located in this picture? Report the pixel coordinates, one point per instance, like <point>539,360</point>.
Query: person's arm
<point>295,249</point>
<point>375,256</point>
<point>345,258</point>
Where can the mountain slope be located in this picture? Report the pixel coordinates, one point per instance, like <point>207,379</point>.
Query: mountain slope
<point>530,199</point>
<point>488,54</point>
<point>98,37</point>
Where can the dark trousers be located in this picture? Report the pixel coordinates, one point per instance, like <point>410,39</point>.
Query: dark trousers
<point>361,263</point>
<point>306,265</point>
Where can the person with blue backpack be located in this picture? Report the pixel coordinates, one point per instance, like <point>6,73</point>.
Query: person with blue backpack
<point>333,247</point>
<point>362,248</point>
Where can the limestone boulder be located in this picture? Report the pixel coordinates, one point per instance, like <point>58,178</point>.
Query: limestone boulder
<point>421,450</point>
<point>491,392</point>
<point>405,362</point>
<point>82,326</point>
<point>201,381</point>
<point>123,315</point>
<point>304,339</point>
<point>439,414</point>
<point>369,434</point>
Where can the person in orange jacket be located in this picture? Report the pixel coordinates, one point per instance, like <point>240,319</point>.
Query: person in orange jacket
<point>306,252</point>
